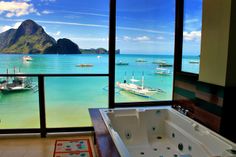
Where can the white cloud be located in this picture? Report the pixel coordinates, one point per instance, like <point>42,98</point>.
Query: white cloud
<point>160,38</point>
<point>47,12</point>
<point>139,38</point>
<point>191,21</point>
<point>7,27</point>
<point>126,38</point>
<point>58,33</point>
<point>16,8</point>
<point>142,38</point>
<point>190,36</point>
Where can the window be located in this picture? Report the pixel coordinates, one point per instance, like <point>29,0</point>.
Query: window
<point>49,37</point>
<point>19,109</point>
<point>145,38</point>
<point>192,35</point>
<point>67,106</point>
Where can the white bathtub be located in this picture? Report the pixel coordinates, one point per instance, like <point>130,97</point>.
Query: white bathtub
<point>163,132</point>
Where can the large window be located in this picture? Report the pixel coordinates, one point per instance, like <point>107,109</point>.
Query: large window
<point>192,35</point>
<point>49,37</point>
<point>63,45</point>
<point>145,37</point>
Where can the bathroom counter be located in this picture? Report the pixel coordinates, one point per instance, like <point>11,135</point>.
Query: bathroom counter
<point>105,144</point>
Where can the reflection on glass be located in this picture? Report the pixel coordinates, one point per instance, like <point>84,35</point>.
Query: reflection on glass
<point>19,106</point>
<point>145,37</point>
<point>68,100</point>
<point>192,35</point>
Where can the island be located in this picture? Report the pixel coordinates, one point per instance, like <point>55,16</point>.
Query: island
<point>31,38</point>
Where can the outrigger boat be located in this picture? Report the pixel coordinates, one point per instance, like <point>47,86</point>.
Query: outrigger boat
<point>163,71</point>
<point>133,88</point>
<point>122,63</point>
<point>165,65</point>
<point>84,65</point>
<point>15,84</point>
<point>19,83</point>
<point>159,62</point>
<point>27,58</point>
<point>194,62</point>
<point>140,60</point>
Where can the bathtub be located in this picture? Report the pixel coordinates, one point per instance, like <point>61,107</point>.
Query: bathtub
<point>163,132</point>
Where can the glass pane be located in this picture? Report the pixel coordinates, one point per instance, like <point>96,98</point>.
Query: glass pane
<point>145,37</point>
<point>192,35</point>
<point>68,100</point>
<point>55,36</point>
<point>19,107</point>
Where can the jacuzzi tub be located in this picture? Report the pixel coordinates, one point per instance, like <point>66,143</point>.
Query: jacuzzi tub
<point>163,132</point>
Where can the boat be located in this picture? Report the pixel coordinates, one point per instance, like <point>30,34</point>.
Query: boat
<point>140,60</point>
<point>194,62</point>
<point>165,65</point>
<point>163,71</point>
<point>122,63</point>
<point>98,57</point>
<point>159,62</point>
<point>136,89</point>
<point>16,83</point>
<point>84,65</point>
<point>19,83</point>
<point>27,58</point>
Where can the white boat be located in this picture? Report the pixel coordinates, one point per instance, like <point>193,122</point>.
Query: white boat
<point>194,62</point>
<point>140,60</point>
<point>163,71</point>
<point>19,83</point>
<point>136,89</point>
<point>159,62</point>
<point>27,58</point>
<point>122,63</point>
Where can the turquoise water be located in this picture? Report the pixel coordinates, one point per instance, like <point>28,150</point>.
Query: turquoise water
<point>68,98</point>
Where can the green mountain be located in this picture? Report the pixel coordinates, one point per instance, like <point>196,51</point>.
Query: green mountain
<point>28,38</point>
<point>63,46</point>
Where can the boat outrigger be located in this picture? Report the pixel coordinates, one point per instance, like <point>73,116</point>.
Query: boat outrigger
<point>136,89</point>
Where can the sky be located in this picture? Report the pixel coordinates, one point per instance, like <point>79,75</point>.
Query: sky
<point>143,26</point>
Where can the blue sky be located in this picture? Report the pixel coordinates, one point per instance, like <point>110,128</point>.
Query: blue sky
<point>143,26</point>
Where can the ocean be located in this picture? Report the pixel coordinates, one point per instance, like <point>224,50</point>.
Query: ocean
<point>68,98</point>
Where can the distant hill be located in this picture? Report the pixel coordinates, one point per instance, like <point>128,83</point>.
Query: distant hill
<point>63,46</point>
<point>30,38</point>
<point>97,51</point>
